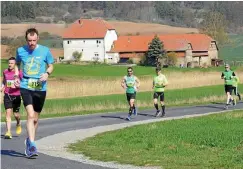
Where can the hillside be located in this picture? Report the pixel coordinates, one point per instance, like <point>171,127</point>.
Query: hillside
<point>175,13</point>
<point>122,28</point>
<point>234,50</point>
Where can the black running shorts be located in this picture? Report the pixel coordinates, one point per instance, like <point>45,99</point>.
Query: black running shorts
<point>159,94</point>
<point>12,102</point>
<point>34,98</point>
<point>131,96</point>
<point>228,88</point>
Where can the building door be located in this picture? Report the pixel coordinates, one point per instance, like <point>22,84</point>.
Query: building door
<point>199,60</point>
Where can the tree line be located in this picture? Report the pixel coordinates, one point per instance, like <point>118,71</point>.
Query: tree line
<point>175,13</point>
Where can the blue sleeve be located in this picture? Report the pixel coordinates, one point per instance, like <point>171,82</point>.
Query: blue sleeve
<point>18,60</point>
<point>49,57</point>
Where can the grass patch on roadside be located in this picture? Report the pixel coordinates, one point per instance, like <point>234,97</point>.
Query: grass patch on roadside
<point>214,141</point>
<point>117,102</point>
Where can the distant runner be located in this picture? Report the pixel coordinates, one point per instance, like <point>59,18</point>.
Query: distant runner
<point>12,99</point>
<point>131,83</point>
<point>159,84</point>
<point>236,81</point>
<point>228,75</point>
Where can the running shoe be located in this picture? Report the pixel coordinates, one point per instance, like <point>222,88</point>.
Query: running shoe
<point>18,129</point>
<point>8,135</point>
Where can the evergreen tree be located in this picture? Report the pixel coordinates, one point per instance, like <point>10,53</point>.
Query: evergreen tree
<point>155,52</point>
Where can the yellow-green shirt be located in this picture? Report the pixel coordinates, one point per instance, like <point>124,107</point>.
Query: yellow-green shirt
<point>159,83</point>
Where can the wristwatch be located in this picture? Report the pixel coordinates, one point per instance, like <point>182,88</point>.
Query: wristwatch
<point>48,73</point>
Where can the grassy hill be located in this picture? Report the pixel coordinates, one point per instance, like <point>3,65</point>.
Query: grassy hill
<point>234,50</point>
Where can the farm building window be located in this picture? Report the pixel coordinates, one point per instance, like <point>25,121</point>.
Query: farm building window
<point>96,54</point>
<point>68,42</point>
<point>98,41</point>
<point>82,50</point>
<point>84,41</point>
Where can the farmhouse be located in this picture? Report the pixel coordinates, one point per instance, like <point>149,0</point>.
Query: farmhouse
<point>191,49</point>
<point>92,37</point>
<point>98,40</point>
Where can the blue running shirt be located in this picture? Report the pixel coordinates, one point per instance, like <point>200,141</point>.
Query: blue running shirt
<point>33,65</point>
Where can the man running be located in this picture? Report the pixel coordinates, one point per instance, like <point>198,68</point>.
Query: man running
<point>228,75</point>
<point>131,83</point>
<point>235,83</point>
<point>11,98</point>
<point>159,84</point>
<point>34,58</point>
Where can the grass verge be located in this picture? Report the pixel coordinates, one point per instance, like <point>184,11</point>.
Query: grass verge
<point>117,102</point>
<point>214,141</point>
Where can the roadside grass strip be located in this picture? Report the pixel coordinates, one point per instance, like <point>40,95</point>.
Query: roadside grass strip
<point>213,141</point>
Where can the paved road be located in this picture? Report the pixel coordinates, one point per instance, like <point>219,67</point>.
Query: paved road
<point>12,151</point>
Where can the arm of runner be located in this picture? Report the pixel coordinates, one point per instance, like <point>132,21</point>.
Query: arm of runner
<point>137,82</point>
<point>49,70</point>
<point>49,61</point>
<point>165,81</point>
<point>222,76</point>
<point>3,84</point>
<point>153,84</point>
<point>16,70</point>
<point>123,83</point>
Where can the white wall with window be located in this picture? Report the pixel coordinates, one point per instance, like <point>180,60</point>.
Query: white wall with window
<point>91,49</point>
<point>112,57</point>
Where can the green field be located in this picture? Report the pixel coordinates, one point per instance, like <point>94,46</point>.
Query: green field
<point>233,51</point>
<point>68,70</point>
<point>213,141</point>
<point>117,102</point>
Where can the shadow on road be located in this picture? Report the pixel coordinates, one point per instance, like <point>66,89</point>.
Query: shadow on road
<point>114,117</point>
<point>2,136</point>
<point>145,114</point>
<point>12,153</point>
<point>212,106</point>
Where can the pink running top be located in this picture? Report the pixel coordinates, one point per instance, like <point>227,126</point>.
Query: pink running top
<point>8,76</point>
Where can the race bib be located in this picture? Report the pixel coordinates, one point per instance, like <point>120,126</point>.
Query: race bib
<point>34,84</point>
<point>10,83</point>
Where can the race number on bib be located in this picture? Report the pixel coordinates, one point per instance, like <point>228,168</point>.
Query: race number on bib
<point>10,83</point>
<point>34,84</point>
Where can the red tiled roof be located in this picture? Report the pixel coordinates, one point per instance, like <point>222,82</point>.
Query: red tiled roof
<point>177,42</point>
<point>87,29</point>
<point>135,55</point>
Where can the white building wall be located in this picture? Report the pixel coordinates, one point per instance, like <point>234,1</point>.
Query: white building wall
<point>112,58</point>
<point>110,37</point>
<point>90,48</point>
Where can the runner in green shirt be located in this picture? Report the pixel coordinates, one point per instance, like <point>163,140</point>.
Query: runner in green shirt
<point>236,81</point>
<point>228,75</point>
<point>159,84</point>
<point>131,83</point>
